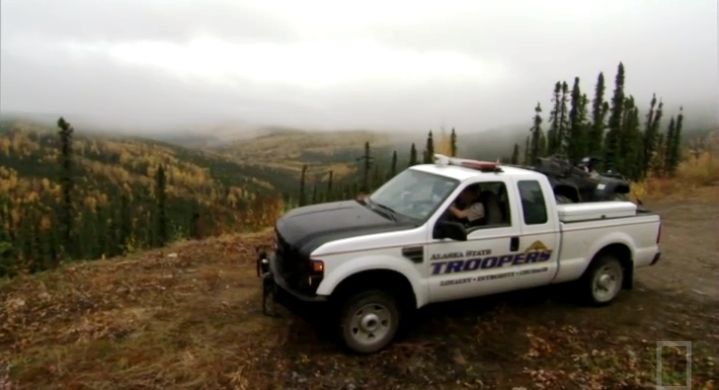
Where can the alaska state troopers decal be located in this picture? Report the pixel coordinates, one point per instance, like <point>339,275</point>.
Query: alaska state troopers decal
<point>535,253</point>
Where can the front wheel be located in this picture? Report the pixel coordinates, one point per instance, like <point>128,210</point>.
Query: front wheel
<point>603,281</point>
<point>369,321</point>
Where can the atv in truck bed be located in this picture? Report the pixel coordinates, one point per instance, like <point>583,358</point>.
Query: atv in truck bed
<point>574,184</point>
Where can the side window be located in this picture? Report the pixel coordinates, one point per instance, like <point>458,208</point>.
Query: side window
<point>481,205</point>
<point>533,205</point>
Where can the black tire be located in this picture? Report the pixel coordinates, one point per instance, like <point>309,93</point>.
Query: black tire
<point>368,321</point>
<point>603,280</point>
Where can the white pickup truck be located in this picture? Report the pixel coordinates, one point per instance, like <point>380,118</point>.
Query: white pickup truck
<point>399,249</point>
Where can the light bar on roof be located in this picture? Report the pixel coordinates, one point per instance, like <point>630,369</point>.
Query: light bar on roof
<point>485,166</point>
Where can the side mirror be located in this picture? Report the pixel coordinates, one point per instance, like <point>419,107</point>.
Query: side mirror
<point>451,230</point>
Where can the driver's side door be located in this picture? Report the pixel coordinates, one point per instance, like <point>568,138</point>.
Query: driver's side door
<point>478,266</point>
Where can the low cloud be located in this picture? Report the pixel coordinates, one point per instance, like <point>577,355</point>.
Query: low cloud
<point>325,64</point>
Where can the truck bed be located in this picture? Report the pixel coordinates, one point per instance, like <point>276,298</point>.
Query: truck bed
<point>581,239</point>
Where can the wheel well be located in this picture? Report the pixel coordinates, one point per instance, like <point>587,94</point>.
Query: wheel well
<point>624,255</point>
<point>387,280</point>
<point>567,191</point>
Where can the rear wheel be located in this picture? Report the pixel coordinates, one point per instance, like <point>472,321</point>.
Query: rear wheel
<point>369,321</point>
<point>604,280</point>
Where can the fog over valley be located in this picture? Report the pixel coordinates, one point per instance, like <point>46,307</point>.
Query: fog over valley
<point>227,68</point>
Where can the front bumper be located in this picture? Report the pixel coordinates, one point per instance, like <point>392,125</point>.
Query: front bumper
<point>276,290</point>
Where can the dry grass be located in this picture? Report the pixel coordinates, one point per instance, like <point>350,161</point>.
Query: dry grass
<point>150,321</point>
<point>699,169</point>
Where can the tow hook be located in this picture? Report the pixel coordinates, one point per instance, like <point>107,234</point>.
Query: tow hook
<point>268,284</point>
<point>263,264</point>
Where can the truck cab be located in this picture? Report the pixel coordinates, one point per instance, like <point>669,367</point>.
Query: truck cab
<point>402,247</point>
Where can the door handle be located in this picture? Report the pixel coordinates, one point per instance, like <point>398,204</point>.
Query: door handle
<point>514,244</point>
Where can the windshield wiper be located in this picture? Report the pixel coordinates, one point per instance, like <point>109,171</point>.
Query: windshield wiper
<point>390,211</point>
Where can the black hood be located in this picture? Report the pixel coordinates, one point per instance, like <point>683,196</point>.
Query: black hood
<point>307,228</point>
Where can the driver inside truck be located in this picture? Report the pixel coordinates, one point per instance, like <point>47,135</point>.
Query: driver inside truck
<point>468,208</point>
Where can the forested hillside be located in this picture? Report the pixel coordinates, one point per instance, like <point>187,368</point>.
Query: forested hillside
<point>125,194</point>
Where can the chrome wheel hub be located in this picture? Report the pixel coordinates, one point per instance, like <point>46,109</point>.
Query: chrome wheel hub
<point>370,324</point>
<point>607,282</point>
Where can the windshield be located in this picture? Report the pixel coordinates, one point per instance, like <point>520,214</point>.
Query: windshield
<point>413,194</point>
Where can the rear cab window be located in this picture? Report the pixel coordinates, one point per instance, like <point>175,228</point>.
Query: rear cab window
<point>534,206</point>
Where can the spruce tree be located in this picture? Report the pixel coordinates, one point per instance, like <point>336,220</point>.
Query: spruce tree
<point>102,234</point>
<point>161,198</point>
<point>656,123</point>
<point>612,156</point>
<point>535,146</point>
<point>302,197</point>
<point>631,146</point>
<point>429,149</point>
<point>393,165</point>
<point>88,234</point>
<point>366,164</point>
<point>149,227</point>
<point>413,155</point>
<point>329,196</point>
<point>583,144</point>
<point>125,225</point>
<point>668,140</point>
<point>576,139</point>
<point>554,119</point>
<point>599,112</point>
<point>8,247</point>
<point>674,144</point>
<point>112,222</point>
<point>515,155</point>
<point>562,133</point>
<point>650,136</point>
<point>680,123</point>
<point>453,143</point>
<point>67,213</point>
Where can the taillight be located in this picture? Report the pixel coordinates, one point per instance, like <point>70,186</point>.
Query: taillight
<point>659,233</point>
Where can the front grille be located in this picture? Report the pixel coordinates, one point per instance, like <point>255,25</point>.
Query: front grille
<point>292,266</point>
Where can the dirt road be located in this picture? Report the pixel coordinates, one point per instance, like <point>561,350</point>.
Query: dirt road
<point>156,320</point>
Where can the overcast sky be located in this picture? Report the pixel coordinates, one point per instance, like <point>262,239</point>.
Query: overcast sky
<point>382,65</point>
